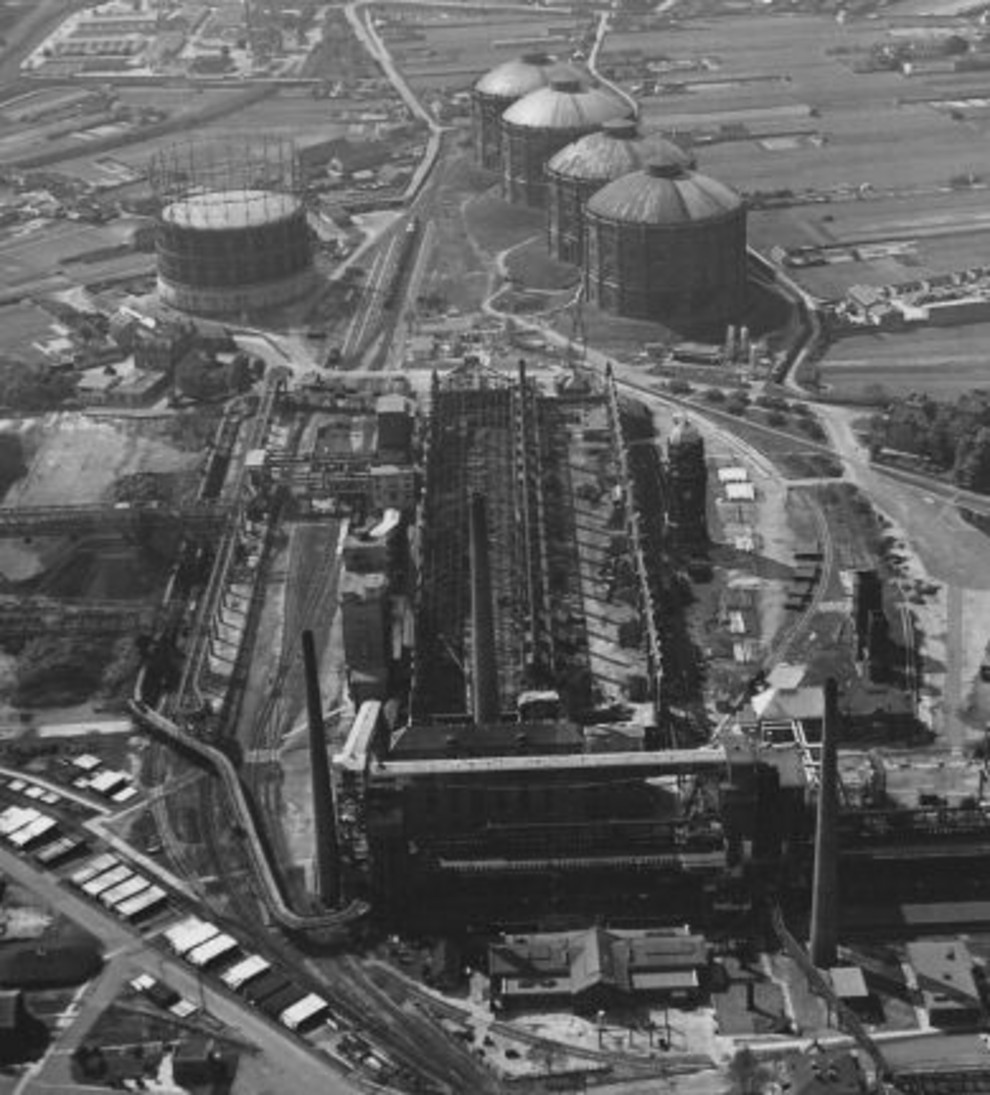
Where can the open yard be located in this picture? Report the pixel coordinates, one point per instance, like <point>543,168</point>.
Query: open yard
<point>76,459</point>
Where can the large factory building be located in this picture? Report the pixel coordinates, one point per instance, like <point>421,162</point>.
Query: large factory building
<point>525,771</point>
<point>232,234</point>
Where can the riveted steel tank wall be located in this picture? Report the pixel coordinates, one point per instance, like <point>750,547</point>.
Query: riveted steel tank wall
<point>225,271</point>
<point>689,273</point>
<point>525,152</point>
<point>487,111</point>
<point>235,256</point>
<point>566,198</point>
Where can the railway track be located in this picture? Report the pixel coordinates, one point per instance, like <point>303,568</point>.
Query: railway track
<point>408,1039</point>
<point>245,824</point>
<point>684,1065</point>
<point>310,597</point>
<point>785,640</point>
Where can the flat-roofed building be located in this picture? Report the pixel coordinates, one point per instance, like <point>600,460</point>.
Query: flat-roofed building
<point>944,971</point>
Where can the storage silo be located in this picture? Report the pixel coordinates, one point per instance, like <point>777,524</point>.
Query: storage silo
<point>541,124</point>
<point>232,236</point>
<point>498,89</point>
<point>669,245</point>
<point>586,165</point>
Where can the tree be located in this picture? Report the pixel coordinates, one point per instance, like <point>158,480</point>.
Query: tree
<point>972,469</point>
<point>746,1073</point>
<point>25,389</point>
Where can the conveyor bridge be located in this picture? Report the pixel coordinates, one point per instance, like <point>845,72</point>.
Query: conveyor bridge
<point>32,615</point>
<point>203,518</point>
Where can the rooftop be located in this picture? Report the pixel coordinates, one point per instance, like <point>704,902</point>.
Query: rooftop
<point>518,77</point>
<point>662,193</point>
<point>445,740</point>
<point>617,149</point>
<point>566,105</point>
<point>221,209</point>
<point>574,962</point>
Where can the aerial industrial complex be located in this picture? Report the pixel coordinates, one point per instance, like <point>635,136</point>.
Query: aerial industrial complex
<point>493,562</point>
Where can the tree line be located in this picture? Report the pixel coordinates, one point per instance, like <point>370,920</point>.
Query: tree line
<point>949,437</point>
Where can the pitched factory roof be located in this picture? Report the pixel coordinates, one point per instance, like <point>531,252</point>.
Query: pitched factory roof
<point>577,961</point>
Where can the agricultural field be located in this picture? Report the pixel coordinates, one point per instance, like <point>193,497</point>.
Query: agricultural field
<point>34,258</point>
<point>451,50</point>
<point>894,158</point>
<point>943,361</point>
<point>782,76</point>
<point>294,113</point>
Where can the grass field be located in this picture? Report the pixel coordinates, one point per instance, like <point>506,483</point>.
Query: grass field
<point>496,225</point>
<point>944,361</point>
<point>535,269</point>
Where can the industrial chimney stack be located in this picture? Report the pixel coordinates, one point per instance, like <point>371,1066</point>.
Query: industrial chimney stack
<point>484,683</point>
<point>324,819</point>
<point>825,891</point>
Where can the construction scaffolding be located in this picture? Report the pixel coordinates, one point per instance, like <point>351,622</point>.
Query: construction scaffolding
<point>473,449</point>
<point>496,436</point>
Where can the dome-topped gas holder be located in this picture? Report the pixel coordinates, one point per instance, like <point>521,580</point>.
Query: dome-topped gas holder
<point>666,243</point>
<point>498,89</point>
<point>586,165</point>
<point>541,123</point>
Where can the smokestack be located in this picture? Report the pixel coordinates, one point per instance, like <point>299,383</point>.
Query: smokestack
<point>324,819</point>
<point>484,685</point>
<point>825,886</point>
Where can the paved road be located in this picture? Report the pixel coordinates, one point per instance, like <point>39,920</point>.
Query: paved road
<point>927,512</point>
<point>301,1068</point>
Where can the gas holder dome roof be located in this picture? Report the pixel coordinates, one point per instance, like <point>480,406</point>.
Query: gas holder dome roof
<point>615,150</point>
<point>518,77</point>
<point>664,194</point>
<point>565,104</point>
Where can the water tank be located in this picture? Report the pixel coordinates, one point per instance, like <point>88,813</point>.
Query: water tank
<point>586,165</point>
<point>498,89</point>
<point>540,124</point>
<point>667,244</point>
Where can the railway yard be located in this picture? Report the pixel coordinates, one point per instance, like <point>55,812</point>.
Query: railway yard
<point>404,662</point>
